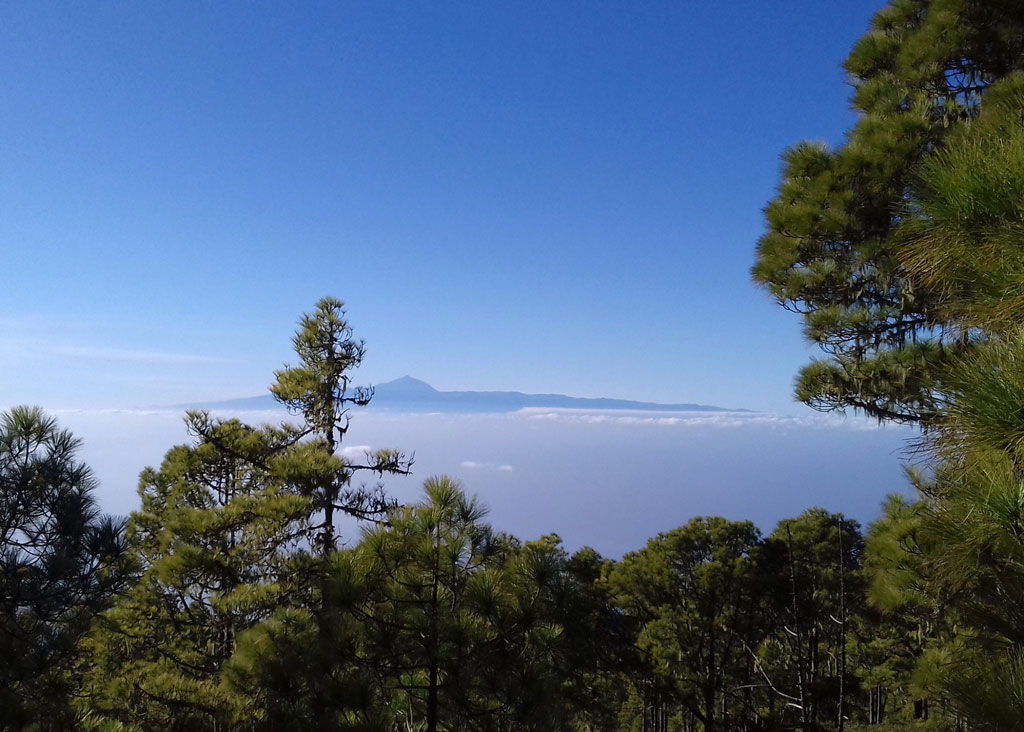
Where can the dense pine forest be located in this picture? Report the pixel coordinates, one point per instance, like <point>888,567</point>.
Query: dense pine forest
<point>238,597</point>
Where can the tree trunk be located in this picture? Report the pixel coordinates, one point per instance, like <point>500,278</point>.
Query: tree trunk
<point>432,700</point>
<point>842,629</point>
<point>800,671</point>
<point>433,643</point>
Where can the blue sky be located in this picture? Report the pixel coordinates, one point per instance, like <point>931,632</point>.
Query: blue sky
<point>536,196</point>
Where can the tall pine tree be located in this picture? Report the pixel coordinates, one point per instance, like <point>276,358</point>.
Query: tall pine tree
<point>835,242</point>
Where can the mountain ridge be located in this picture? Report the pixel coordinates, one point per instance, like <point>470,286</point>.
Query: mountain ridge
<point>413,394</point>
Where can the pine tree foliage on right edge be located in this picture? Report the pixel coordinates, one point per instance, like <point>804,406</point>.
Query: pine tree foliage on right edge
<point>834,247</point>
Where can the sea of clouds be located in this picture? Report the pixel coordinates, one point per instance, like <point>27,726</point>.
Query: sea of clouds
<point>608,479</point>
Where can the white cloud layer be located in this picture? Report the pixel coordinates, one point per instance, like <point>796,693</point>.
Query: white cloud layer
<point>475,465</point>
<point>607,479</point>
<point>354,451</point>
<point>693,419</point>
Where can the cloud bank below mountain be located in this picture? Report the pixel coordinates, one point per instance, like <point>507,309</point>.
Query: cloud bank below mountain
<point>610,479</point>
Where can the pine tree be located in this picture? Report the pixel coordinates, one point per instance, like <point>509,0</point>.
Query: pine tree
<point>61,562</point>
<point>435,622</point>
<point>219,538</point>
<point>557,646</point>
<point>224,538</point>
<point>902,251</point>
<point>836,243</point>
<point>694,595</point>
<point>814,562</point>
<point>973,527</point>
<point>307,667</point>
<point>423,632</point>
<point>909,630</point>
<point>319,389</point>
<point>963,229</point>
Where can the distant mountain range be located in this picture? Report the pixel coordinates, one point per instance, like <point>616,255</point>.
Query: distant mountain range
<point>413,395</point>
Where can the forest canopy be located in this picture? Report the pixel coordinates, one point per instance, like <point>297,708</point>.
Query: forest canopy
<point>230,601</point>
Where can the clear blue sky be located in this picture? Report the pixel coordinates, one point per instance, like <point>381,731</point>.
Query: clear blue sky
<point>534,196</point>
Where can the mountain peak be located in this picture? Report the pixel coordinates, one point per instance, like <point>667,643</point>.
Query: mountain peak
<point>406,386</point>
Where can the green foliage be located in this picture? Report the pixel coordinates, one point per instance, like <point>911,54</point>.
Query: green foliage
<point>218,536</point>
<point>975,554</point>
<point>816,591</point>
<point>433,622</point>
<point>464,627</point>
<point>319,389</point>
<point>836,246</point>
<point>964,229</point>
<point>964,241</point>
<point>949,565</point>
<point>61,562</point>
<point>693,593</point>
<point>902,250</point>
<point>737,632</point>
<point>223,537</point>
<point>300,669</point>
<point>428,574</point>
